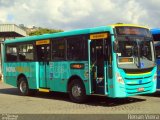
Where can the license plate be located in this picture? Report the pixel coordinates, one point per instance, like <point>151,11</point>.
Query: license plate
<point>140,89</point>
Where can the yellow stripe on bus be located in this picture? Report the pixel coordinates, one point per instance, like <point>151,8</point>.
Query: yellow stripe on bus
<point>128,25</point>
<point>140,74</point>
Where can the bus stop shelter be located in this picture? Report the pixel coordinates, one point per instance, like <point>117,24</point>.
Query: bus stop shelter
<point>9,31</point>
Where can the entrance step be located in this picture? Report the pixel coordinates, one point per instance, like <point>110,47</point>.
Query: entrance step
<point>43,90</point>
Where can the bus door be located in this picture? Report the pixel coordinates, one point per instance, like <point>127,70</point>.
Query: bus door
<point>98,65</point>
<point>44,57</point>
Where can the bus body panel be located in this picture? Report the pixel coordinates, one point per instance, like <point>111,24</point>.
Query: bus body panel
<point>133,84</point>
<point>58,76</point>
<point>28,69</point>
<point>61,72</point>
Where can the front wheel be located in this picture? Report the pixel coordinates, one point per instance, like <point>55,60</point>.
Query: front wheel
<point>23,87</point>
<point>77,91</point>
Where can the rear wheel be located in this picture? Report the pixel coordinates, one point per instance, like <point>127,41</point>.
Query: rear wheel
<point>77,91</point>
<point>23,87</point>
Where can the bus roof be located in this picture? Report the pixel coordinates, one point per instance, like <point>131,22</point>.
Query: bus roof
<point>61,34</point>
<point>155,31</point>
<point>69,33</point>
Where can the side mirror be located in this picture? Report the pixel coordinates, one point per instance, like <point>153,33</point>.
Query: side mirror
<point>115,46</point>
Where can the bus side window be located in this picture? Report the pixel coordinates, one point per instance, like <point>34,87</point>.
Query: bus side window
<point>26,52</point>
<point>58,51</point>
<point>40,53</point>
<point>47,54</point>
<point>11,53</point>
<point>76,48</point>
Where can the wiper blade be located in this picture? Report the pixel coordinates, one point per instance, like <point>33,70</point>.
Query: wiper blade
<point>137,63</point>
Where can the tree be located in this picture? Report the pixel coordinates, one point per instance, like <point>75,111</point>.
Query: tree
<point>40,31</point>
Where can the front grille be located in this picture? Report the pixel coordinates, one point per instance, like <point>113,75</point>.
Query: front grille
<point>146,87</point>
<point>135,82</point>
<point>138,84</point>
<point>137,78</point>
<point>137,71</point>
<point>138,92</point>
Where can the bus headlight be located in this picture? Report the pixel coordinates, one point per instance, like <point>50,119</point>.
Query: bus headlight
<point>155,77</point>
<point>119,78</point>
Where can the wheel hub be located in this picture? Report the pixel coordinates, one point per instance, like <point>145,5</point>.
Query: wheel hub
<point>76,91</point>
<point>23,87</point>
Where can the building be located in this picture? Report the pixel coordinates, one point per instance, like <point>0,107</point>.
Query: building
<point>9,31</point>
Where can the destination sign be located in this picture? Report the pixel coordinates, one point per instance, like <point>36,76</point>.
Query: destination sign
<point>132,31</point>
<point>42,42</point>
<point>126,60</point>
<point>98,36</point>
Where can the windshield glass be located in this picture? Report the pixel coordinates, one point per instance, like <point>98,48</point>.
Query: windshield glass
<point>135,52</point>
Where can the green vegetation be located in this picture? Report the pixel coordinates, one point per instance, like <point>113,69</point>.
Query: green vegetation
<point>40,31</point>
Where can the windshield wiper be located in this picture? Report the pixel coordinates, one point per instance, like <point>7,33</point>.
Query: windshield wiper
<point>137,55</point>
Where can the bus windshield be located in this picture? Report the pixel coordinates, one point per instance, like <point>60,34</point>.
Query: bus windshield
<point>135,52</point>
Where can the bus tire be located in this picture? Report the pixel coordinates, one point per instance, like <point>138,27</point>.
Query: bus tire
<point>77,91</point>
<point>23,87</point>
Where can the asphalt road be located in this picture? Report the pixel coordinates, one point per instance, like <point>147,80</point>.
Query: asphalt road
<point>58,103</point>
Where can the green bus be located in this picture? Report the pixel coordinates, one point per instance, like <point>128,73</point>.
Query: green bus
<point>115,61</point>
